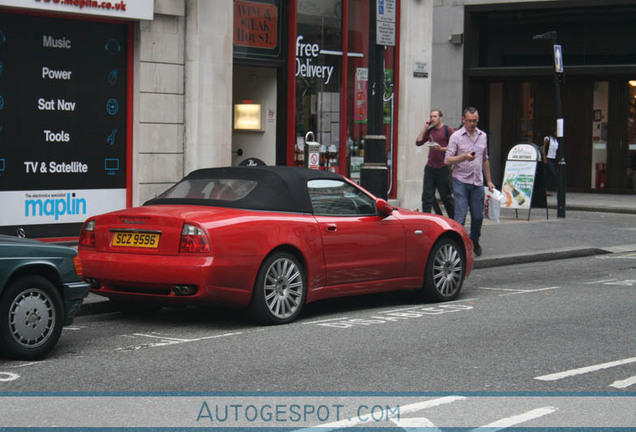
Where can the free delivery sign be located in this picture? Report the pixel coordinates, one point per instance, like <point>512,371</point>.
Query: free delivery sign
<point>59,206</point>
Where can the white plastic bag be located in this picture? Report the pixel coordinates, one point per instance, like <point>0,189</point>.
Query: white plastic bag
<point>492,204</point>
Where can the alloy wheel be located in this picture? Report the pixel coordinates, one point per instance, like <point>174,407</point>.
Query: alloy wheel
<point>283,288</point>
<point>447,270</point>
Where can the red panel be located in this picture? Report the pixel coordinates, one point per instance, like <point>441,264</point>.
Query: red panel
<point>129,126</point>
<point>396,92</point>
<point>291,83</point>
<point>343,89</point>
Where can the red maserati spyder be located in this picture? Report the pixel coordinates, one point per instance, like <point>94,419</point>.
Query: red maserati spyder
<point>270,239</point>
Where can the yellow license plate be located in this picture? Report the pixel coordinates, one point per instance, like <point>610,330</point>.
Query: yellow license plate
<point>135,239</point>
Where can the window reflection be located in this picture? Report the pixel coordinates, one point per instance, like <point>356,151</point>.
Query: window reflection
<point>599,135</point>
<point>318,77</point>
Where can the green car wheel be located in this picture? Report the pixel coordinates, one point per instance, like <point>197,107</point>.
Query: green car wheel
<point>31,310</point>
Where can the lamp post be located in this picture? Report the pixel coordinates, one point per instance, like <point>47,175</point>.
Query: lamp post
<point>558,80</point>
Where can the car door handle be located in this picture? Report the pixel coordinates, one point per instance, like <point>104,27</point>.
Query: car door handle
<point>331,228</point>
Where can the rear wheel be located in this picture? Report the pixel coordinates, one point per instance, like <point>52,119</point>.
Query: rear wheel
<point>279,292</point>
<point>444,271</point>
<point>30,318</point>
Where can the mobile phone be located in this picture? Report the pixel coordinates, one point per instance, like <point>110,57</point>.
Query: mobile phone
<point>472,153</point>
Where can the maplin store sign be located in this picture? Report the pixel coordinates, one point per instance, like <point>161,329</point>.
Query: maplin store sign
<point>124,9</point>
<point>64,111</point>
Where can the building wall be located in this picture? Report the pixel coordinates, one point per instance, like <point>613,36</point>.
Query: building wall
<point>182,93</point>
<point>448,58</point>
<point>159,95</point>
<point>416,29</point>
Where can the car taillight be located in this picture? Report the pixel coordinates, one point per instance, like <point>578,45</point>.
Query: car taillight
<point>193,240</point>
<point>87,236</point>
<point>78,265</point>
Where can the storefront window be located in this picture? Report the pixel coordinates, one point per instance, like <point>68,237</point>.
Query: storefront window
<point>318,78</point>
<point>319,83</point>
<point>357,79</point>
<point>599,135</point>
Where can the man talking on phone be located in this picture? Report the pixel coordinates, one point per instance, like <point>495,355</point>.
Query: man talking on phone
<point>468,152</point>
<point>436,173</point>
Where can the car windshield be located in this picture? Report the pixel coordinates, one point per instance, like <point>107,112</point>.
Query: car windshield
<point>223,189</point>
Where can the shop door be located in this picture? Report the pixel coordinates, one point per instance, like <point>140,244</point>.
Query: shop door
<point>254,88</point>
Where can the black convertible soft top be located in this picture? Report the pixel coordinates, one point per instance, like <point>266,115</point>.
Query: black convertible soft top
<point>278,188</point>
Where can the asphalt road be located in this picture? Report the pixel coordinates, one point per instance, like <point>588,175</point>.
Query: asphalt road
<point>563,326</point>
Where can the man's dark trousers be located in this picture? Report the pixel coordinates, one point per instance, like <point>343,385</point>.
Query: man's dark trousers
<point>437,178</point>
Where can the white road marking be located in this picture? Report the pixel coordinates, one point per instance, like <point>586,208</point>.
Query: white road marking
<point>530,291</point>
<point>600,282</point>
<point>156,336</point>
<point>420,306</point>
<point>515,291</point>
<point>627,282</point>
<point>8,376</point>
<point>618,253</point>
<point>628,382</point>
<point>326,320</point>
<point>72,328</point>
<point>584,370</point>
<point>31,364</point>
<point>449,305</point>
<point>432,403</point>
<point>521,418</point>
<point>167,340</point>
<point>214,337</point>
<point>499,289</point>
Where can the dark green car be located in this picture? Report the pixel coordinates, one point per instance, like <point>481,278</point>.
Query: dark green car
<point>41,290</point>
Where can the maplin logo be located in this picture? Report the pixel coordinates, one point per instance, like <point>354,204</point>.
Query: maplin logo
<point>55,206</point>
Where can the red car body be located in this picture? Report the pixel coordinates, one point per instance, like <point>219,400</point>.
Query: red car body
<point>377,249</point>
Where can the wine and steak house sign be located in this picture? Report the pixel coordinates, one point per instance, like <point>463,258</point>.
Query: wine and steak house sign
<point>256,29</point>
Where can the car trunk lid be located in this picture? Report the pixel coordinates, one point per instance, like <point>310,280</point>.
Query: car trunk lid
<point>152,230</point>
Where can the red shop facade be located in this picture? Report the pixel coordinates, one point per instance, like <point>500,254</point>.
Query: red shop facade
<point>316,54</point>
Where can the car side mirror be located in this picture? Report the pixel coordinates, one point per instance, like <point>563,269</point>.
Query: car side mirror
<point>383,207</point>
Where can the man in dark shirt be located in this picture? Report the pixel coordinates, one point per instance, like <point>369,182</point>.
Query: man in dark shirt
<point>436,173</point>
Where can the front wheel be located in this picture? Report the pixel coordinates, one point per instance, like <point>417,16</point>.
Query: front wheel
<point>30,318</point>
<point>444,271</point>
<point>279,292</point>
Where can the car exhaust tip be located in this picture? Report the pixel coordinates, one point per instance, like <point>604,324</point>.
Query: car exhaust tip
<point>184,290</point>
<point>94,283</point>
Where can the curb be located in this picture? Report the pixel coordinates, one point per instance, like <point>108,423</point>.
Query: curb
<point>595,209</point>
<point>531,257</point>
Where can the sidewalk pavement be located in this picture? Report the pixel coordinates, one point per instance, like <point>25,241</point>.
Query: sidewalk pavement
<point>594,224</point>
